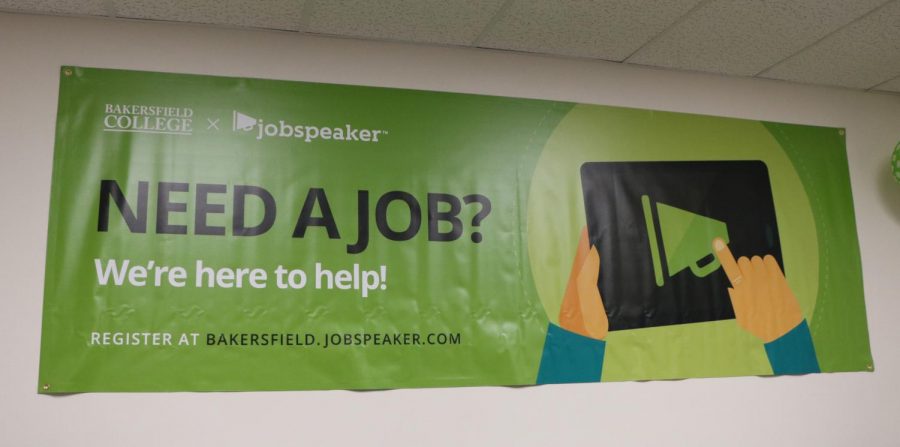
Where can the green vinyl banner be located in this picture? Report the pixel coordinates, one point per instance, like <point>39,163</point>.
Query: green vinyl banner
<point>211,233</point>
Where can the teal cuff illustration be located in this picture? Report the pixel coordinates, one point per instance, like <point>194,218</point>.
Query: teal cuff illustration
<point>793,353</point>
<point>570,358</point>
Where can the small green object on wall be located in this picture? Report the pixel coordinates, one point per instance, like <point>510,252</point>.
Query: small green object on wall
<point>895,163</point>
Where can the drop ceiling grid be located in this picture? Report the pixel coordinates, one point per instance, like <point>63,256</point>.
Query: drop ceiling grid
<point>747,36</point>
<point>269,14</point>
<point>890,86</point>
<point>448,22</point>
<point>862,55</point>
<point>832,42</point>
<point>607,29</point>
<point>60,7</point>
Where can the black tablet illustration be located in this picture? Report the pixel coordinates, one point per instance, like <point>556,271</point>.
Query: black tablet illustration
<point>653,224</point>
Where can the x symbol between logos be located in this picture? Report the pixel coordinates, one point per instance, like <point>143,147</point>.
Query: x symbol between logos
<point>213,124</point>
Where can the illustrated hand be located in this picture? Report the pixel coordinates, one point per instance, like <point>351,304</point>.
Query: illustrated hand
<point>582,310</point>
<point>763,302</point>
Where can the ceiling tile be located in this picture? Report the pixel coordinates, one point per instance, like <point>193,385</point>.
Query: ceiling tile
<point>605,29</point>
<point>272,14</point>
<point>455,22</point>
<point>890,86</point>
<point>862,55</point>
<point>744,37</point>
<point>76,7</point>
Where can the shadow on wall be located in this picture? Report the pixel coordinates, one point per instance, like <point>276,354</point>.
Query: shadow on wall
<point>889,191</point>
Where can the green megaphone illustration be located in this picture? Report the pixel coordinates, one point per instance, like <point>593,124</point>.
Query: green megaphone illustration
<point>686,238</point>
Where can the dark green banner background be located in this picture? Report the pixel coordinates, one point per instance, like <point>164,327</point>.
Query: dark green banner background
<point>473,297</point>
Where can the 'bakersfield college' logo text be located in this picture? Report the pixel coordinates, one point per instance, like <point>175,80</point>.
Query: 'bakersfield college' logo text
<point>148,119</point>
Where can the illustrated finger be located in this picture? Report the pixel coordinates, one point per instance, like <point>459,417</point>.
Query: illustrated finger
<point>592,311</point>
<point>729,265</point>
<point>746,268</point>
<point>772,267</point>
<point>570,312</point>
<point>759,268</point>
<point>582,251</point>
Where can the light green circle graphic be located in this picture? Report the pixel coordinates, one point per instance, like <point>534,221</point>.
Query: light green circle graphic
<point>895,163</point>
<point>555,216</point>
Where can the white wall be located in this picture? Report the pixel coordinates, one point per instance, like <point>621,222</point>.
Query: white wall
<point>824,409</point>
